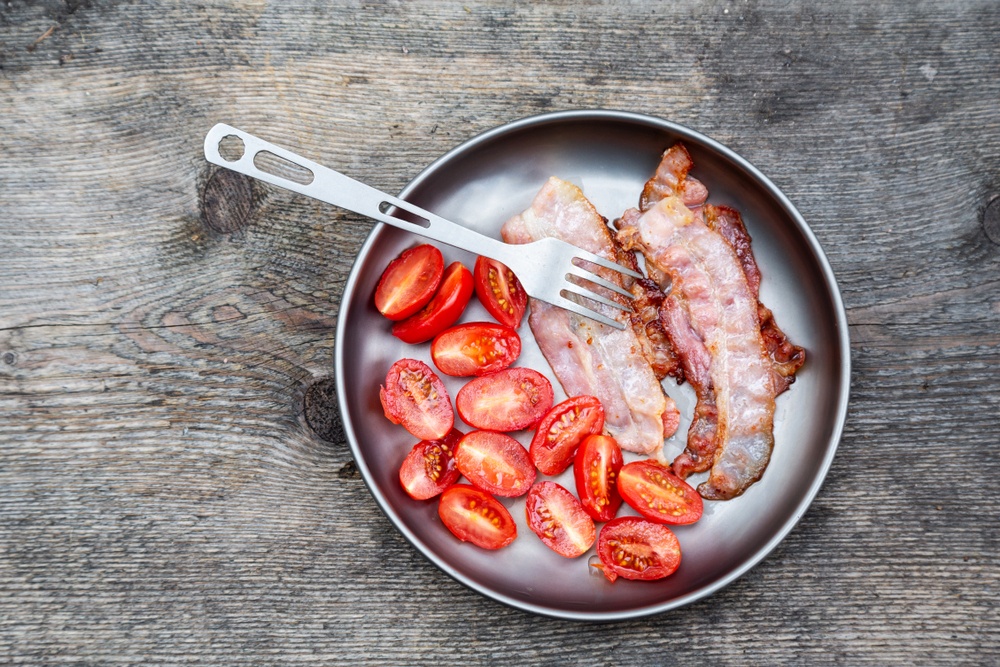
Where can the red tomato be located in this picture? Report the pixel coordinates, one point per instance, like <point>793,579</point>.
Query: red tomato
<point>409,282</point>
<point>556,516</point>
<point>495,462</point>
<point>507,400</point>
<point>633,548</point>
<point>415,397</point>
<point>595,468</point>
<point>655,492</point>
<point>561,431</point>
<point>476,516</point>
<point>430,467</point>
<point>442,311</point>
<point>500,291</point>
<point>476,348</point>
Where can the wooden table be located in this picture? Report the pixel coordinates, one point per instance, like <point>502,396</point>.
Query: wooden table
<point>175,485</point>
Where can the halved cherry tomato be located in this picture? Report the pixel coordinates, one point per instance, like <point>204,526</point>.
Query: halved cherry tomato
<point>655,492</point>
<point>430,467</point>
<point>476,516</point>
<point>595,469</point>
<point>414,397</point>
<point>507,400</point>
<point>495,462</point>
<point>442,311</point>
<point>556,516</point>
<point>561,431</point>
<point>500,291</point>
<point>633,548</point>
<point>476,348</point>
<point>409,282</point>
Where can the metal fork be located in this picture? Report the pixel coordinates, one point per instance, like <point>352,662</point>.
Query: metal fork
<point>543,266</point>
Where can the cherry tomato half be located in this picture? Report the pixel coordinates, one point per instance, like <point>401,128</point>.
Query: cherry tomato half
<point>561,431</point>
<point>495,462</point>
<point>442,311</point>
<point>430,467</point>
<point>500,291</point>
<point>656,493</point>
<point>556,516</point>
<point>507,400</point>
<point>409,282</point>
<point>476,516</point>
<point>595,469</point>
<point>476,348</point>
<point>633,548</point>
<point>414,397</point>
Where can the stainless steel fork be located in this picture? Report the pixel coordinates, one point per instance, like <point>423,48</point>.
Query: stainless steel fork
<point>543,266</point>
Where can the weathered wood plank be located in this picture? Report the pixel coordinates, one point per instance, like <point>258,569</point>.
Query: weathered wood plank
<point>163,498</point>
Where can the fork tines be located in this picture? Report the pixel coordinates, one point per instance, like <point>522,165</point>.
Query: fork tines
<point>575,287</point>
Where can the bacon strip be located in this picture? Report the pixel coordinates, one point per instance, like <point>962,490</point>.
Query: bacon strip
<point>786,357</point>
<point>587,357</point>
<point>711,302</point>
<point>671,178</point>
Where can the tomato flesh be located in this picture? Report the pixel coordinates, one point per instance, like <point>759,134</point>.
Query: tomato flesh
<point>430,467</point>
<point>652,490</point>
<point>595,470</point>
<point>562,429</point>
<point>634,548</point>
<point>442,311</point>
<point>508,400</point>
<point>495,462</point>
<point>414,397</point>
<point>477,517</point>
<point>475,348</point>
<point>409,282</point>
<point>556,516</point>
<point>500,291</point>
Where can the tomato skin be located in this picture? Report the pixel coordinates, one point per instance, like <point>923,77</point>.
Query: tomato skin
<point>409,282</point>
<point>556,516</point>
<point>442,311</point>
<point>500,291</point>
<point>495,463</point>
<point>508,400</point>
<point>430,467</point>
<point>561,431</point>
<point>414,397</point>
<point>655,492</point>
<point>595,470</point>
<point>637,549</point>
<point>475,348</point>
<point>477,517</point>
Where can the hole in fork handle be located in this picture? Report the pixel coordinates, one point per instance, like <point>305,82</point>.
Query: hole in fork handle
<point>231,148</point>
<point>275,165</point>
<point>400,213</point>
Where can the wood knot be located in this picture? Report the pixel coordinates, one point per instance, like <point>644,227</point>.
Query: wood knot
<point>9,358</point>
<point>226,201</point>
<point>348,471</point>
<point>991,220</point>
<point>321,412</point>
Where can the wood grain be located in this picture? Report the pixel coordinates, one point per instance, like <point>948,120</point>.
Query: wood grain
<point>166,331</point>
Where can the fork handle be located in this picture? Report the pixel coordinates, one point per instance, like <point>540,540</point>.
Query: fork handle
<point>339,190</point>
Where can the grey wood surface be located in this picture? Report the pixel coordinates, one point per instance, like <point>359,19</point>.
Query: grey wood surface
<point>175,485</point>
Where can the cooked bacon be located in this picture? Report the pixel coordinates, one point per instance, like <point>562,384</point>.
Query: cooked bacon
<point>786,357</point>
<point>588,357</point>
<point>696,360</point>
<point>711,302</point>
<point>657,347</point>
<point>671,178</point>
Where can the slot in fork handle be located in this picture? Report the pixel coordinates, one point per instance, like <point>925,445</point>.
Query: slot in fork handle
<point>339,190</point>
